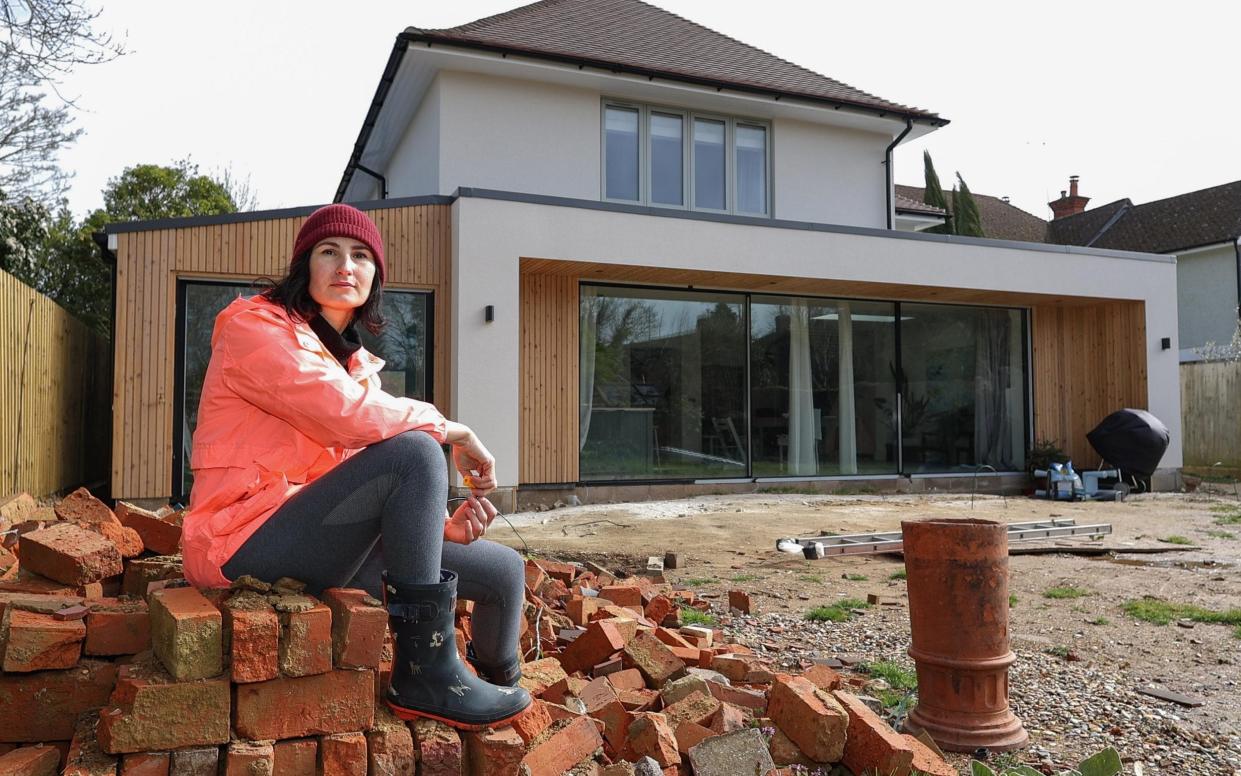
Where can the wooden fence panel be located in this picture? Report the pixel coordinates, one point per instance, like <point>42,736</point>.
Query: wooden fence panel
<point>54,395</point>
<point>1211,413</point>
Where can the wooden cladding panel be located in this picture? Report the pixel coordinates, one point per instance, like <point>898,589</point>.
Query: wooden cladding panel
<point>49,364</point>
<point>1088,362</point>
<point>417,244</point>
<point>548,427</point>
<point>1211,413</point>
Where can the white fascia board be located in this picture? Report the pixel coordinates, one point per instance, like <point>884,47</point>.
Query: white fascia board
<point>918,223</point>
<point>657,90</point>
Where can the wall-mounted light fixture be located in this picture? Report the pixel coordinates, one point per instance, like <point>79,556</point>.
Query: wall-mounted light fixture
<point>1165,343</point>
<point>489,313</point>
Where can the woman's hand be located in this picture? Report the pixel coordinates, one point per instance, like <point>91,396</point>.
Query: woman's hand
<point>470,520</point>
<point>475,463</point>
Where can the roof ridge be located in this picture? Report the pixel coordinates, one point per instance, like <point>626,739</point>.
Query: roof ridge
<point>492,18</point>
<point>1122,202</point>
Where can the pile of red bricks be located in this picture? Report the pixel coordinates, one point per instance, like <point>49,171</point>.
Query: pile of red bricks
<point>111,664</point>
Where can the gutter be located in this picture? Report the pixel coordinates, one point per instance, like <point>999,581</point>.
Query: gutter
<point>410,36</point>
<point>887,171</point>
<point>1237,247</point>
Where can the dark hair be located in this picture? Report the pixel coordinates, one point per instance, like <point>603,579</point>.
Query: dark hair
<point>293,292</point>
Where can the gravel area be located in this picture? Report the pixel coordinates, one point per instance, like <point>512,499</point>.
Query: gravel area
<point>1071,709</point>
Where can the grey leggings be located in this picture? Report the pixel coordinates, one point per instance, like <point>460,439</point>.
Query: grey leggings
<point>384,508</point>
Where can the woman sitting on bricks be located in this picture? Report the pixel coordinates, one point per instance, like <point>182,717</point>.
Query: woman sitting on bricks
<point>305,468</point>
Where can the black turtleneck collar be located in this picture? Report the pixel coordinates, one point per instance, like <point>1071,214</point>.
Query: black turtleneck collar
<point>341,344</point>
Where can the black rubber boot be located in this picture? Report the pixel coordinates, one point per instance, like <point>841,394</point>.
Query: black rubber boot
<point>428,677</point>
<point>503,675</point>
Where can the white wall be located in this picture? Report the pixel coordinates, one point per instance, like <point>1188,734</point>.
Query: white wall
<point>1206,288</point>
<point>414,169</point>
<point>490,237</point>
<point>828,175</point>
<point>518,136</point>
<point>483,131</point>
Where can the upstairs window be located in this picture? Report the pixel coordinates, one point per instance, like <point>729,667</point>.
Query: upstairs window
<point>683,159</point>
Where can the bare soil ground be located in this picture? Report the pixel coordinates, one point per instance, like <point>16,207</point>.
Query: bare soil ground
<point>728,542</point>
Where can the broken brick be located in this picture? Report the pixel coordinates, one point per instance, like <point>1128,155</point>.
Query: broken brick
<point>697,707</point>
<point>202,761</point>
<point>565,572</point>
<point>785,752</point>
<point>438,747</point>
<point>814,720</point>
<point>650,736</point>
<point>493,752</point>
<point>596,694</point>
<point>116,626</point>
<point>146,575</point>
<point>253,632</point>
<point>533,721</point>
<point>580,610</point>
<point>150,711</point>
<point>186,633</point>
<point>745,669</point>
<point>729,718</point>
<point>146,764</point>
<point>295,707</point>
<point>358,628</point>
<point>654,659</point>
<point>659,608</point>
<point>158,535</point>
<point>871,743</point>
<point>67,553</point>
<point>823,677</point>
<point>249,758</point>
<point>627,679</point>
<point>689,735</point>
<point>305,639</point>
<point>31,761</point>
<point>295,757</point>
<point>83,509</point>
<point>342,754</point>
<point>597,644</point>
<point>31,641</point>
<point>740,600</point>
<point>538,675</point>
<point>45,706</point>
<point>741,752</point>
<point>568,746</point>
<point>926,761</point>
<point>622,595</point>
<point>390,746</point>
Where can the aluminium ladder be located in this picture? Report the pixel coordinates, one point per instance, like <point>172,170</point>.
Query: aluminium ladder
<point>872,543</point>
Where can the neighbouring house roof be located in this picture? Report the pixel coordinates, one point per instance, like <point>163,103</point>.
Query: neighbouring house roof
<point>1000,220</point>
<point>636,36</point>
<point>1204,217</point>
<point>916,206</point>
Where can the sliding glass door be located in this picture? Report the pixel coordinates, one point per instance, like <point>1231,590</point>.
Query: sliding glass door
<point>662,384</point>
<point>821,390</point>
<point>683,384</point>
<point>963,388</point>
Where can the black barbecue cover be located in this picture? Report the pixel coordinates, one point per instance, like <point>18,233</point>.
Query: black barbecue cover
<point>1131,440</point>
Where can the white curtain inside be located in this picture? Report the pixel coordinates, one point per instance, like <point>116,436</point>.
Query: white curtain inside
<point>993,378</point>
<point>846,411</point>
<point>588,312</point>
<point>803,417</point>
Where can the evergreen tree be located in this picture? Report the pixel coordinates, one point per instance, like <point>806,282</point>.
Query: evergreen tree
<point>933,195</point>
<point>965,216</point>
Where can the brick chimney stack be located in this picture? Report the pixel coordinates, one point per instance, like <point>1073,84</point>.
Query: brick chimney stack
<point>1070,203</point>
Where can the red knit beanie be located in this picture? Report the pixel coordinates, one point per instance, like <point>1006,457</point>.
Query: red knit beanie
<point>340,221</point>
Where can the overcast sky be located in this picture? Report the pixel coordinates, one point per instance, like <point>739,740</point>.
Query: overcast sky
<point>1138,98</point>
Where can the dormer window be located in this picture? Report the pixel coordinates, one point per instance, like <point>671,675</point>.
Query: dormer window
<point>685,159</point>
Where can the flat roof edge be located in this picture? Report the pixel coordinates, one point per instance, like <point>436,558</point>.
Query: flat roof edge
<point>777,223</point>
<point>120,227</point>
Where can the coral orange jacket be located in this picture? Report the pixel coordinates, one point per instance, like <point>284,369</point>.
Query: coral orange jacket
<point>277,412</point>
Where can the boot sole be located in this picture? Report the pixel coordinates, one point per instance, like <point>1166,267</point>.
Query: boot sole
<point>410,715</point>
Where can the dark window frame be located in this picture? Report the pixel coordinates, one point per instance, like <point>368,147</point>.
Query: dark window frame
<point>179,493</point>
<point>1027,422</point>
